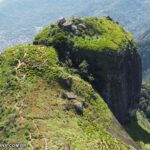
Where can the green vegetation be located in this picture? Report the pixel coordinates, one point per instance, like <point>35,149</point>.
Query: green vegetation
<point>97,48</point>
<point>89,39</point>
<point>41,90</point>
<point>139,130</point>
<point>98,34</point>
<point>145,100</point>
<point>33,109</point>
<point>139,127</point>
<point>85,41</point>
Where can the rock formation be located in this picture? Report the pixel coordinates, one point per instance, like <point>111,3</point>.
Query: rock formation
<point>113,60</point>
<point>45,98</point>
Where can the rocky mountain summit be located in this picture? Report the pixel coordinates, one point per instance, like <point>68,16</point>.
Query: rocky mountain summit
<point>131,14</point>
<point>67,89</point>
<point>110,53</point>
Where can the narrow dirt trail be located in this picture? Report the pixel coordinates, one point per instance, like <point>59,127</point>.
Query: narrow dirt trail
<point>30,142</point>
<point>19,64</point>
<point>46,143</point>
<point>44,137</point>
<point>36,127</point>
<point>19,110</point>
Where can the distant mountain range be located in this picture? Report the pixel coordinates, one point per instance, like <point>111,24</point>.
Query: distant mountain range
<point>21,19</point>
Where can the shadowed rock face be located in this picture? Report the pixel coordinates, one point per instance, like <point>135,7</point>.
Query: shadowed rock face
<point>121,84</point>
<point>118,78</point>
<point>111,56</point>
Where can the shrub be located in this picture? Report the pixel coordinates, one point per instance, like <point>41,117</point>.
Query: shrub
<point>63,45</point>
<point>83,68</point>
<point>144,104</point>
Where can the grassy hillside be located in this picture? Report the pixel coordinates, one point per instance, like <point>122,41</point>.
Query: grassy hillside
<point>139,127</point>
<point>51,92</point>
<point>97,37</point>
<point>139,130</point>
<point>36,110</point>
<point>109,64</point>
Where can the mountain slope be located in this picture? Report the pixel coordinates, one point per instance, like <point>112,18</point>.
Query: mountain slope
<point>51,95</point>
<point>36,110</point>
<point>109,64</point>
<point>88,47</point>
<point>139,127</point>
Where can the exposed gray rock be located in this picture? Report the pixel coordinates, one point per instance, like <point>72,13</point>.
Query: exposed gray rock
<point>67,24</point>
<point>61,21</point>
<point>74,28</point>
<point>69,82</point>
<point>77,32</point>
<point>117,78</point>
<point>66,83</point>
<point>71,96</point>
<point>79,107</point>
<point>121,89</point>
<point>82,25</point>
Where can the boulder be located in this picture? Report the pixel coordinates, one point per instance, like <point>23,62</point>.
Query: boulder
<point>109,18</point>
<point>66,83</point>
<point>82,25</point>
<point>77,32</point>
<point>61,21</point>
<point>79,108</point>
<point>67,25</point>
<point>74,28</point>
<point>70,96</point>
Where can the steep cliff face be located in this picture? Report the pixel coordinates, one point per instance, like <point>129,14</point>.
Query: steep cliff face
<point>121,88</point>
<point>104,54</point>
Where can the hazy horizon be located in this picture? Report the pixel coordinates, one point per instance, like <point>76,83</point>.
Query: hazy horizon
<point>20,20</point>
